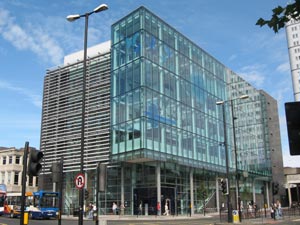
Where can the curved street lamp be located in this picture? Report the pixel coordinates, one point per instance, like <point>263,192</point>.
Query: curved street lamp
<point>72,18</point>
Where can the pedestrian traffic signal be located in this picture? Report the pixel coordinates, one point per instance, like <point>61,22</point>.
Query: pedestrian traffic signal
<point>275,188</point>
<point>34,165</point>
<point>224,186</point>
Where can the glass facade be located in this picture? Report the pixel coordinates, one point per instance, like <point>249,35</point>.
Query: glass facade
<point>164,94</point>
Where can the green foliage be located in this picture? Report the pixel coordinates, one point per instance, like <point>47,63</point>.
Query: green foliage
<point>281,15</point>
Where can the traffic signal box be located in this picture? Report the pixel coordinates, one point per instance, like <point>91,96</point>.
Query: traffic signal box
<point>34,165</point>
<point>275,188</point>
<point>224,186</point>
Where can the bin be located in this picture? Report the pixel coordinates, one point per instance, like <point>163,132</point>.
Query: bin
<point>235,216</point>
<point>25,218</point>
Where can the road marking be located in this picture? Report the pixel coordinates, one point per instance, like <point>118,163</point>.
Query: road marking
<point>3,224</point>
<point>296,220</point>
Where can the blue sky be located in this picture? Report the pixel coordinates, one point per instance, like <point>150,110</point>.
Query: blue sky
<point>34,37</point>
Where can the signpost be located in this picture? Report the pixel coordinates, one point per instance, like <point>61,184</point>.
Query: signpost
<point>79,181</point>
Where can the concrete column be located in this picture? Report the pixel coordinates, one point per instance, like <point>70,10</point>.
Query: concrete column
<point>158,186</point>
<point>122,191</point>
<point>253,191</point>
<point>192,192</point>
<point>133,184</point>
<point>289,194</point>
<point>217,195</point>
<point>267,192</point>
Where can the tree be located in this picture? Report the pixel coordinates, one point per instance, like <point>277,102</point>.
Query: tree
<point>281,15</point>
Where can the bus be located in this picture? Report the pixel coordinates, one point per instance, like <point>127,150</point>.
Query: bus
<point>12,205</point>
<point>2,198</point>
<point>45,205</point>
<point>39,205</point>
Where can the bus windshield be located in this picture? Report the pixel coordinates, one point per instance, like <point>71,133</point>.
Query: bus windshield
<point>44,199</point>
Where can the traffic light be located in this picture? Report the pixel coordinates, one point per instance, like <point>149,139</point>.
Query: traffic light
<point>292,111</point>
<point>34,165</point>
<point>204,194</point>
<point>224,186</point>
<point>56,169</point>
<point>275,188</point>
<point>86,194</point>
<point>262,190</point>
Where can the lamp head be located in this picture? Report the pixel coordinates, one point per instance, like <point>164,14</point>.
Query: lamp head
<point>72,18</point>
<point>219,102</point>
<point>100,8</point>
<point>244,96</point>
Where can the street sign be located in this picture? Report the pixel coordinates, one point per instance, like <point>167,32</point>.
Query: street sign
<point>79,181</point>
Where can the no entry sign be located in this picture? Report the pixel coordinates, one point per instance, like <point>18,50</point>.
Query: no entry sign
<point>79,181</point>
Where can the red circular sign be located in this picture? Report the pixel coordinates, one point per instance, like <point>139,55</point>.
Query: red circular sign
<point>79,181</point>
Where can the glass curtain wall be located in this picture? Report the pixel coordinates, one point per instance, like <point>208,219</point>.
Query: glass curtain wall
<point>164,90</point>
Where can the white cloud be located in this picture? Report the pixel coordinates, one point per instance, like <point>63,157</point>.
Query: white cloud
<point>30,38</point>
<point>31,97</point>
<point>283,68</point>
<point>253,74</point>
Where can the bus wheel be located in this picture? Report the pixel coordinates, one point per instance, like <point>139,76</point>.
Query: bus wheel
<point>30,215</point>
<point>11,215</point>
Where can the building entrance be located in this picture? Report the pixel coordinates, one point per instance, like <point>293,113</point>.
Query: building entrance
<point>147,196</point>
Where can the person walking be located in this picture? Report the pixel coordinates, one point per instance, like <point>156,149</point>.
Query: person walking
<point>114,208</point>
<point>166,213</point>
<point>91,207</point>
<point>140,209</point>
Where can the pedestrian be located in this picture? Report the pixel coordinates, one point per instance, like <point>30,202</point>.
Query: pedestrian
<point>279,209</point>
<point>166,213</point>
<point>158,208</point>
<point>114,208</point>
<point>140,209</point>
<point>91,210</point>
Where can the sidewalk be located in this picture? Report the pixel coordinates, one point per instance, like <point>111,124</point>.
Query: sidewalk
<point>214,217</point>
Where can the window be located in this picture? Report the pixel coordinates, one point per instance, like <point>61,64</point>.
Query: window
<point>18,159</point>
<point>30,180</point>
<point>16,178</point>
<point>2,177</point>
<point>4,160</point>
<point>9,178</point>
<point>10,159</point>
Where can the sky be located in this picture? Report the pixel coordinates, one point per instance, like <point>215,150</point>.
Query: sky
<point>35,36</point>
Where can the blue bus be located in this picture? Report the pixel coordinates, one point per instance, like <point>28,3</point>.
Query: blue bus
<point>44,205</point>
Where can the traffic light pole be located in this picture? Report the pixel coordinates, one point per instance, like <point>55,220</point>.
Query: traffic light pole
<point>24,181</point>
<point>229,207</point>
<point>97,195</point>
<point>61,166</point>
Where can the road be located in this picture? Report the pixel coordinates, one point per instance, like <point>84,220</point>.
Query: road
<point>135,221</point>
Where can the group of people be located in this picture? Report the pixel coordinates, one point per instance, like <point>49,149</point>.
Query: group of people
<point>91,209</point>
<point>276,210</point>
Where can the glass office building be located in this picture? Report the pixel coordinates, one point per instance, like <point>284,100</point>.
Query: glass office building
<point>166,130</point>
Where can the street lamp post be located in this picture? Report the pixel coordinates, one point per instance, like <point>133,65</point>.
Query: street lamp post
<point>72,18</point>
<point>227,162</point>
<point>229,208</point>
